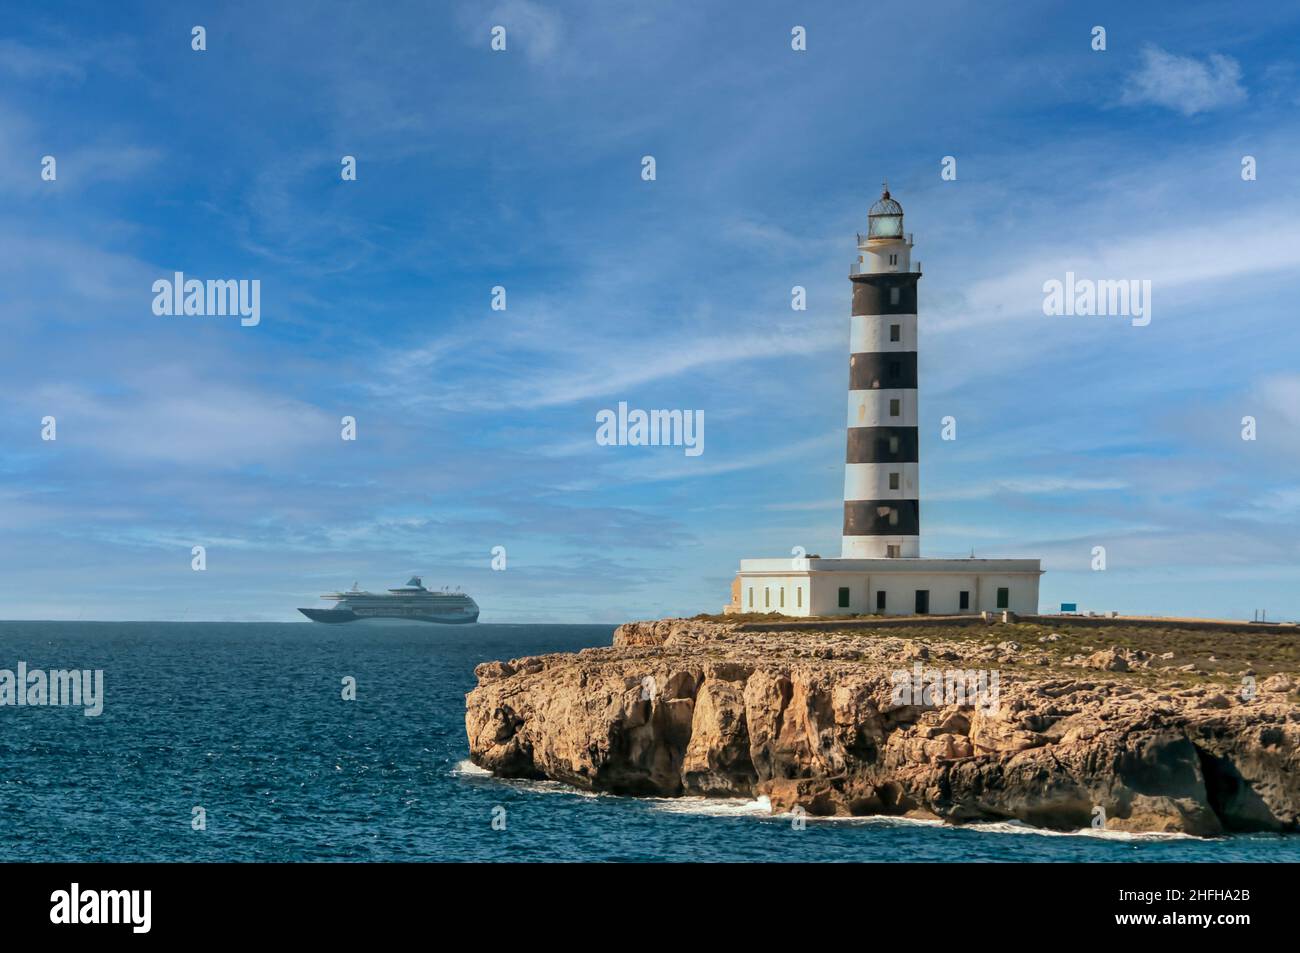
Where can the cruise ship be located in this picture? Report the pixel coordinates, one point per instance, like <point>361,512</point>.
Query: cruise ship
<point>411,601</point>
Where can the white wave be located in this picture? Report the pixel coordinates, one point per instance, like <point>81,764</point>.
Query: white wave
<point>870,820</point>
<point>553,787</point>
<point>713,806</point>
<point>1019,827</point>
<point>993,827</point>
<point>468,769</point>
<point>762,807</point>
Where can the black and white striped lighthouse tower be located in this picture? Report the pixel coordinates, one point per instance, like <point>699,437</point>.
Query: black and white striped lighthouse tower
<point>882,511</point>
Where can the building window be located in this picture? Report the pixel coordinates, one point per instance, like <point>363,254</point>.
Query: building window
<point>751,597</point>
<point>893,551</point>
<point>895,406</point>
<point>894,370</point>
<point>893,481</point>
<point>965,599</point>
<point>782,590</point>
<point>1004,598</point>
<point>844,597</point>
<point>923,602</point>
<point>893,293</point>
<point>893,516</point>
<point>895,332</point>
<point>798,597</point>
<point>880,600</point>
<point>893,260</point>
<point>767,598</point>
<point>893,445</point>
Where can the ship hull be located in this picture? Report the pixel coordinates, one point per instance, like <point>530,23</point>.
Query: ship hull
<point>338,616</point>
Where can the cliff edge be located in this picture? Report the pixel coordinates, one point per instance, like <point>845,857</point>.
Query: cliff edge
<point>1175,730</point>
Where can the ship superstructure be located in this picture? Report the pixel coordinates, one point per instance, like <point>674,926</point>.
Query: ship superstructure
<point>411,601</point>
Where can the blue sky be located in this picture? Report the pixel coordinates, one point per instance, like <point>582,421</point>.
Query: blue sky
<point>476,428</point>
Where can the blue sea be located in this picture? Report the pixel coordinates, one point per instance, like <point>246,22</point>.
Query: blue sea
<point>247,722</point>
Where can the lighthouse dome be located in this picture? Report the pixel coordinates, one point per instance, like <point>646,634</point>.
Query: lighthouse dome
<point>886,206</point>
<point>885,220</point>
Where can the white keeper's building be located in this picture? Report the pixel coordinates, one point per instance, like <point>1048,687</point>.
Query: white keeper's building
<point>880,569</point>
<point>811,586</point>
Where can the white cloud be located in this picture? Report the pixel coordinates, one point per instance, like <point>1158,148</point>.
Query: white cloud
<point>173,417</point>
<point>1171,259</point>
<point>1281,395</point>
<point>1031,486</point>
<point>29,62</point>
<point>559,370</point>
<point>1183,83</point>
<point>529,26</point>
<point>806,506</point>
<point>641,470</point>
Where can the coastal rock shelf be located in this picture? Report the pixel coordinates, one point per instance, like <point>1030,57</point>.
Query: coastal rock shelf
<point>1174,730</point>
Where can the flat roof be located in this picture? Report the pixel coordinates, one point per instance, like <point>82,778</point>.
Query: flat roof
<point>901,564</point>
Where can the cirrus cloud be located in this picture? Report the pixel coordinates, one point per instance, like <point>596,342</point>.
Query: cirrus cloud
<point>1184,83</point>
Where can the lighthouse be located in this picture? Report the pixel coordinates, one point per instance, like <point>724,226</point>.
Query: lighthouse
<point>882,507</point>
<point>880,570</point>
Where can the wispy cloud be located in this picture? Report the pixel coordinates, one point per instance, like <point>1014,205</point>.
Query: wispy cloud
<point>172,417</point>
<point>1029,486</point>
<point>1172,259</point>
<point>531,27</point>
<point>792,455</point>
<point>1184,83</point>
<point>30,62</point>
<point>554,370</point>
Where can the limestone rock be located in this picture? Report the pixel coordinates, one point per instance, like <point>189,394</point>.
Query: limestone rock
<point>717,761</point>
<point>1116,659</point>
<point>818,721</point>
<point>1278,683</point>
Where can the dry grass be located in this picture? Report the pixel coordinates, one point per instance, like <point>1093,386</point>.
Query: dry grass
<point>1216,652</point>
<point>1212,656</point>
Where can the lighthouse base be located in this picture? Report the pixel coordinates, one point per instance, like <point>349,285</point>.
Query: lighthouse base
<point>812,586</point>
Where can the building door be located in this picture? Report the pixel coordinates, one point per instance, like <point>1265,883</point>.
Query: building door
<point>922,601</point>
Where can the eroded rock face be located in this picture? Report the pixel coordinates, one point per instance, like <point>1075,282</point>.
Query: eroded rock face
<point>815,720</point>
<point>717,761</point>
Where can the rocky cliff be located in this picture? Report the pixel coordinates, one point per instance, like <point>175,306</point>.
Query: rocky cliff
<point>1056,729</point>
